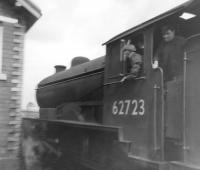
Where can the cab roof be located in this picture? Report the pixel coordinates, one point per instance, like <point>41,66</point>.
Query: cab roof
<point>187,6</point>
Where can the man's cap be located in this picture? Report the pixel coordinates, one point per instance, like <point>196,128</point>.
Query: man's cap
<point>129,47</point>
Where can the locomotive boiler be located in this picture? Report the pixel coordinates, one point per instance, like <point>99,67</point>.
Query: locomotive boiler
<point>99,115</point>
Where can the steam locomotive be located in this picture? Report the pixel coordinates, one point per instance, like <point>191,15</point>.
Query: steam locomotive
<point>97,115</point>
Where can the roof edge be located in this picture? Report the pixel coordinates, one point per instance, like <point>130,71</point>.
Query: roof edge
<point>149,22</point>
<point>32,8</point>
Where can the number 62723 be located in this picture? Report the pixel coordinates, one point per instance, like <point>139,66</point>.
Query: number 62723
<point>129,107</point>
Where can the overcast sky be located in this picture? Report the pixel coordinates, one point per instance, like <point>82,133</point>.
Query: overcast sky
<point>70,28</point>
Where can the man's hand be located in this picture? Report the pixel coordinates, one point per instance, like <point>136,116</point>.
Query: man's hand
<point>155,64</point>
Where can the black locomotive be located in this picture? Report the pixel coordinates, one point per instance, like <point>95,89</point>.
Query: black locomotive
<point>98,115</point>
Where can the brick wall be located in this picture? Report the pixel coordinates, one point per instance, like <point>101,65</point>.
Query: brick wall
<point>10,89</point>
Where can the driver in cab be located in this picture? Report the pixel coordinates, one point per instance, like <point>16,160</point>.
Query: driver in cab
<point>170,53</point>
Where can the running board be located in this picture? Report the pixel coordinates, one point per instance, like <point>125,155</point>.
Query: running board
<point>73,145</point>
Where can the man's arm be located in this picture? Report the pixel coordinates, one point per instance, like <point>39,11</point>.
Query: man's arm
<point>156,57</point>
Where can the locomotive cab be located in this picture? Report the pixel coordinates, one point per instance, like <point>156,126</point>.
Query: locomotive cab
<point>179,105</point>
<point>134,101</point>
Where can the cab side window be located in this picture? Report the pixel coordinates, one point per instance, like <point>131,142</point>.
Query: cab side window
<point>132,51</point>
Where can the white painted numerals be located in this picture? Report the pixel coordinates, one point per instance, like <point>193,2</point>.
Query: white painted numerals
<point>115,108</point>
<point>129,107</point>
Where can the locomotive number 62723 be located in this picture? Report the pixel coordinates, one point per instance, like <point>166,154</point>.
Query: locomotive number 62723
<point>135,107</point>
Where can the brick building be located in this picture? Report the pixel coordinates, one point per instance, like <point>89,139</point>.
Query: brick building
<point>16,18</point>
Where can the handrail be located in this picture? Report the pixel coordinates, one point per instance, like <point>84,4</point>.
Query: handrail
<point>193,36</point>
<point>162,117</point>
<point>155,117</point>
<point>162,121</point>
<point>185,147</point>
